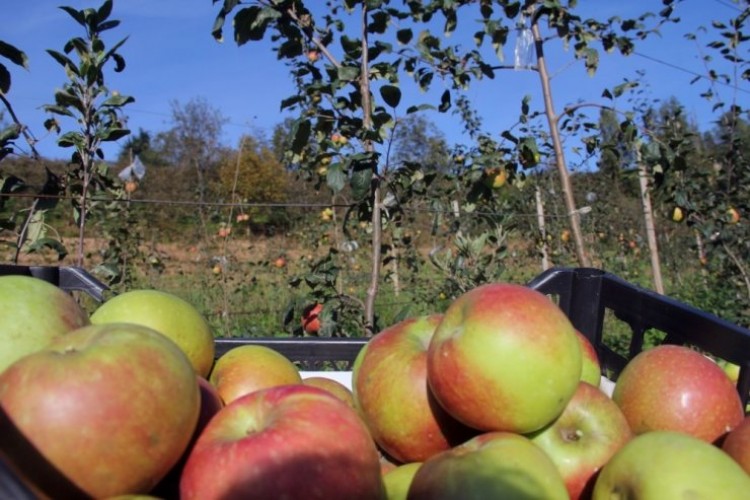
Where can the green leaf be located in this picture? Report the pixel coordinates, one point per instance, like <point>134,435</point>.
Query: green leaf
<point>445,102</point>
<point>404,36</point>
<point>391,95</point>
<point>75,14</point>
<point>112,134</point>
<point>360,180</point>
<point>70,139</point>
<point>14,55</point>
<point>10,133</point>
<point>336,178</point>
<point>48,243</point>
<point>104,11</point>
<point>64,61</point>
<point>117,101</point>
<point>301,135</point>
<point>348,73</point>
<point>4,79</point>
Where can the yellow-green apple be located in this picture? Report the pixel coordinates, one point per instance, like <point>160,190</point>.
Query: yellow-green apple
<point>104,410</point>
<point>389,382</point>
<point>589,432</point>
<point>504,358</point>
<point>34,312</point>
<point>333,386</point>
<point>247,368</point>
<point>398,480</point>
<point>666,464</point>
<point>490,465</point>
<point>673,387</point>
<point>591,370</point>
<point>291,441</point>
<point>167,313</point>
<point>737,444</point>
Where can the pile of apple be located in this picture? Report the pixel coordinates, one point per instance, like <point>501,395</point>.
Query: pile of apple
<point>499,397</point>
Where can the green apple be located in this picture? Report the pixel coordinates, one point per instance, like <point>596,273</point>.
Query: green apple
<point>104,410</point>
<point>168,314</point>
<point>491,465</point>
<point>589,432</point>
<point>389,382</point>
<point>398,480</point>
<point>673,387</point>
<point>591,370</point>
<point>34,312</point>
<point>662,465</point>
<point>504,358</point>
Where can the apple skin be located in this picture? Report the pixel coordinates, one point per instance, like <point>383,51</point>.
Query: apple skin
<point>103,411</point>
<point>292,441</point>
<point>210,404</point>
<point>34,312</point>
<point>398,480</point>
<point>504,358</point>
<point>737,444</point>
<point>311,319</point>
<point>668,464</point>
<point>672,387</point>
<point>589,432</point>
<point>334,387</point>
<point>247,368</point>
<point>166,313</point>
<point>491,465</point>
<point>389,382</point>
<point>591,370</point>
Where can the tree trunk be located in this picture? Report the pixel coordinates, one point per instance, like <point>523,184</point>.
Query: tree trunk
<point>542,229</point>
<point>567,187</point>
<point>648,217</point>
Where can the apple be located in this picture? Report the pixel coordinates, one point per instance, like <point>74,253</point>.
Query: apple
<point>495,178</point>
<point>398,480</point>
<point>668,464</point>
<point>389,382</point>
<point>105,410</point>
<point>313,55</point>
<point>504,358</point>
<point>34,312</point>
<point>673,387</point>
<point>734,215</point>
<point>737,444</point>
<point>210,404</point>
<point>589,432</point>
<point>591,370</point>
<point>279,262</point>
<point>677,214</point>
<point>333,386</point>
<point>491,465</point>
<point>168,314</point>
<point>292,441</point>
<point>311,319</point>
<point>247,368</point>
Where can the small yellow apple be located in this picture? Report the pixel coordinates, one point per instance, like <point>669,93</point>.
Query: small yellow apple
<point>734,215</point>
<point>677,214</point>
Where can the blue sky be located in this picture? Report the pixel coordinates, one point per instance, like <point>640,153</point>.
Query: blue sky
<point>171,56</point>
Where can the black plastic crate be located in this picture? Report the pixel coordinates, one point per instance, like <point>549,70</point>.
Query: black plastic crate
<point>586,296</point>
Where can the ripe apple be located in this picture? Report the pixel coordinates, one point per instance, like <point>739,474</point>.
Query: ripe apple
<point>667,464</point>
<point>102,411</point>
<point>311,319</point>
<point>495,178</point>
<point>210,404</point>
<point>292,441</point>
<point>591,370</point>
<point>672,387</point>
<point>737,444</point>
<point>333,386</point>
<point>168,314</point>
<point>389,382</point>
<point>248,368</point>
<point>589,432</point>
<point>398,480</point>
<point>279,262</point>
<point>677,214</point>
<point>34,312</point>
<point>313,55</point>
<point>734,215</point>
<point>491,465</point>
<point>505,358</point>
